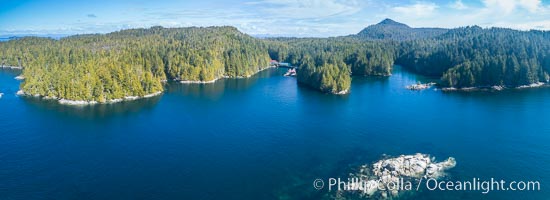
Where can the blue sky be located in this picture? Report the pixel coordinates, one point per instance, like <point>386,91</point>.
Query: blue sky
<point>318,18</point>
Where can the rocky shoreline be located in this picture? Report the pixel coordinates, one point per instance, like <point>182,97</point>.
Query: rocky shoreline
<point>83,102</point>
<point>343,92</point>
<point>495,87</point>
<point>376,178</point>
<point>199,82</point>
<point>11,67</point>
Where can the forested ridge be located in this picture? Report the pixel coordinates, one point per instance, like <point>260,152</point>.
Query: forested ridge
<point>136,62</point>
<point>131,62</point>
<point>476,57</point>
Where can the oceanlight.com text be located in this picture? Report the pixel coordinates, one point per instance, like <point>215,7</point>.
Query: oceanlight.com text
<point>483,186</point>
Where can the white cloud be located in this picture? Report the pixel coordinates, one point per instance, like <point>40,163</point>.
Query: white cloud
<point>538,25</point>
<point>530,5</point>
<point>508,6</point>
<point>459,5</point>
<point>419,9</point>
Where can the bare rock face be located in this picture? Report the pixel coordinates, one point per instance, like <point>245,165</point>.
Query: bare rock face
<point>415,166</point>
<point>398,171</point>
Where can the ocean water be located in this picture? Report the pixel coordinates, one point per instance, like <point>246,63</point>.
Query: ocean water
<point>267,137</point>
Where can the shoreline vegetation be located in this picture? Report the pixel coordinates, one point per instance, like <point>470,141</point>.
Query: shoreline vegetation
<point>136,62</point>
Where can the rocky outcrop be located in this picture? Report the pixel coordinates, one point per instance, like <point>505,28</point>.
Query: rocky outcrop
<point>343,92</point>
<point>416,166</point>
<point>420,86</point>
<point>376,178</point>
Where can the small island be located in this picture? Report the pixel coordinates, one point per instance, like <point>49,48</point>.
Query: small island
<point>410,168</point>
<point>420,86</point>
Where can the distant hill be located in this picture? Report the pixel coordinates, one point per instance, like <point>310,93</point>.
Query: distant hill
<point>392,30</point>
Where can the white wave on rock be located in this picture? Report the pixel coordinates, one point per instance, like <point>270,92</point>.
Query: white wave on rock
<point>1,95</point>
<point>19,77</point>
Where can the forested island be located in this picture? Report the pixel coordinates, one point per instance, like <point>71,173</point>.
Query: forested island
<point>130,64</point>
<point>134,63</point>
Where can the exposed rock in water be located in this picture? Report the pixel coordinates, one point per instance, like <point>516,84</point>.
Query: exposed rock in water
<point>20,93</point>
<point>19,77</point>
<point>416,166</point>
<point>343,92</point>
<point>420,86</point>
<point>497,87</point>
<point>375,178</point>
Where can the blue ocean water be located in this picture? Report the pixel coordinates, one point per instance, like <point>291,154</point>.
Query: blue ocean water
<point>266,137</point>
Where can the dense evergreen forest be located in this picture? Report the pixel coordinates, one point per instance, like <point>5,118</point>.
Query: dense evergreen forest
<point>131,62</point>
<point>136,62</point>
<point>327,64</point>
<point>476,57</point>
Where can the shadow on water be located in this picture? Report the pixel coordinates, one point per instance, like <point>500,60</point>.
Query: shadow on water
<point>217,89</point>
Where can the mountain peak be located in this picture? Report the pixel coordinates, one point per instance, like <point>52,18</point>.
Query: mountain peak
<point>388,21</point>
<point>388,29</point>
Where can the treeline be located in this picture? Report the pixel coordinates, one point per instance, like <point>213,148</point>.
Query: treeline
<point>327,64</point>
<point>476,57</point>
<point>132,62</point>
<point>135,62</point>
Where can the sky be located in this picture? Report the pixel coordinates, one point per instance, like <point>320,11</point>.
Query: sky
<point>302,18</point>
